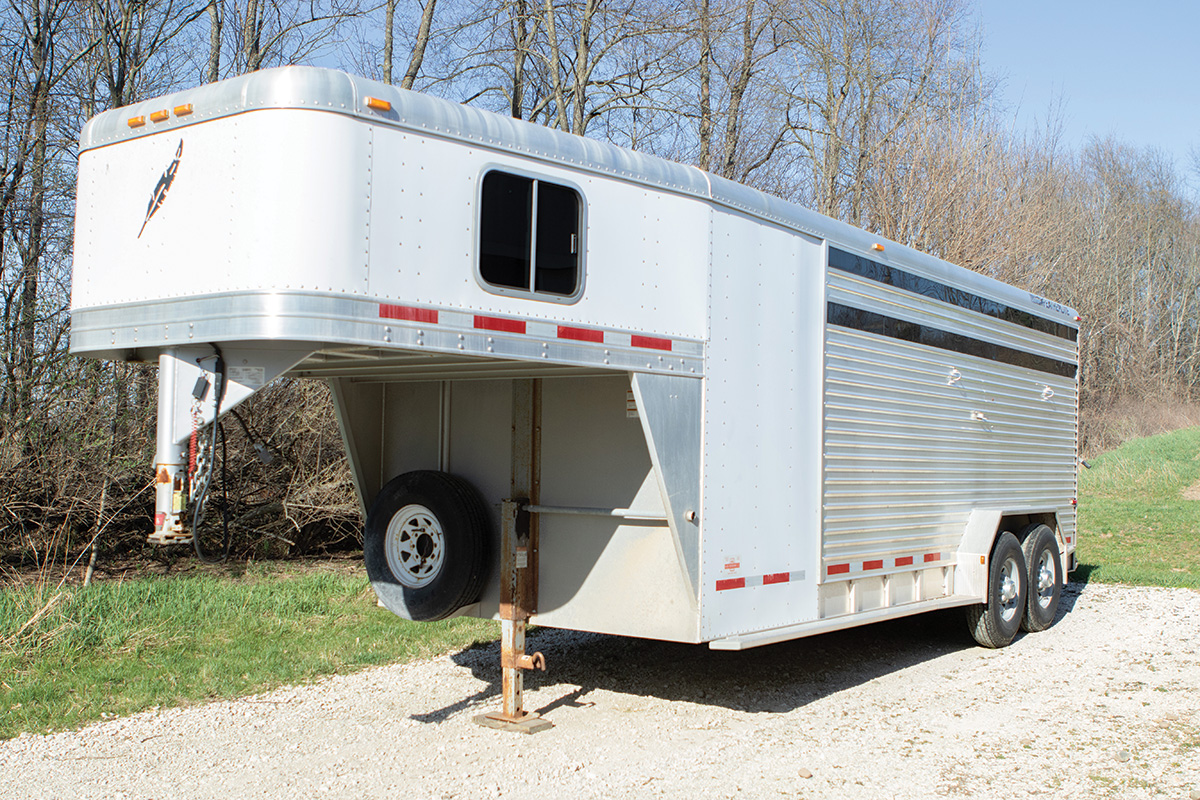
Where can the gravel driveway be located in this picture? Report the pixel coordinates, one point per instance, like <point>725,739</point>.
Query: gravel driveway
<point>1104,704</point>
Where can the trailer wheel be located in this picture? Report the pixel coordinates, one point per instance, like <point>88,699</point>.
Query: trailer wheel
<point>996,622</point>
<point>1045,578</point>
<point>426,545</point>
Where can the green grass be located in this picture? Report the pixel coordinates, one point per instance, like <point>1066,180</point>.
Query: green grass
<point>124,646</point>
<point>117,648</point>
<point>1135,523</point>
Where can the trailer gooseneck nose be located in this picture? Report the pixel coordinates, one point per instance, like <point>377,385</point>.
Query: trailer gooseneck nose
<point>196,385</point>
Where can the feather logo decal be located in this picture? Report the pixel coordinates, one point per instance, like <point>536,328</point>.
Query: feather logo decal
<point>164,185</point>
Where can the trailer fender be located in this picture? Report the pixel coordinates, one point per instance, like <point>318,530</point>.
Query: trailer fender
<point>670,408</point>
<point>983,526</point>
<point>971,571</point>
<point>359,411</point>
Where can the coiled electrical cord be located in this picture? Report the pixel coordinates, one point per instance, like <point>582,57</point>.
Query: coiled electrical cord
<point>198,509</point>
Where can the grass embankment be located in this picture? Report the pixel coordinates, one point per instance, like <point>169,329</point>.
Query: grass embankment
<point>116,648</point>
<point>1139,512</point>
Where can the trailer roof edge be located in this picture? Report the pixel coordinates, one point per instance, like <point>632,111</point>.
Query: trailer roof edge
<point>314,88</point>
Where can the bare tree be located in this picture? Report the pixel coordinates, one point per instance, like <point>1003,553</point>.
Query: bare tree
<point>597,57</point>
<point>421,41</point>
<point>131,42</point>
<point>249,35</point>
<point>859,69</point>
<point>212,72</point>
<point>735,52</point>
<point>32,76</point>
<point>418,50</point>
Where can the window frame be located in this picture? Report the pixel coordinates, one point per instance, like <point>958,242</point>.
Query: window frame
<point>581,243</point>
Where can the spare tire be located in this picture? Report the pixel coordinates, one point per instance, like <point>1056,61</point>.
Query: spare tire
<point>426,545</point>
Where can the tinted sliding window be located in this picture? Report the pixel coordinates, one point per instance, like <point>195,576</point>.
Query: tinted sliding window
<point>529,235</point>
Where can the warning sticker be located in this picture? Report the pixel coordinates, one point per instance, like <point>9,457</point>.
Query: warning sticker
<point>732,563</point>
<point>250,377</point>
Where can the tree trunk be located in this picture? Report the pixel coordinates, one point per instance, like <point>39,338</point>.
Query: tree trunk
<point>705,69</point>
<point>418,51</point>
<point>737,91</point>
<point>389,37</point>
<point>213,74</point>
<point>252,27</point>
<point>583,68</point>
<point>40,48</point>
<point>555,59</point>
<point>519,25</point>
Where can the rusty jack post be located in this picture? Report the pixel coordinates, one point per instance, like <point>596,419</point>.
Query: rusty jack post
<point>517,588</point>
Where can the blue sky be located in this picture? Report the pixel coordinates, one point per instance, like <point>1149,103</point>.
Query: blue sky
<point>1131,69</point>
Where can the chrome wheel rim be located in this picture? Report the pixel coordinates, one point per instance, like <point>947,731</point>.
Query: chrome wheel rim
<point>1010,589</point>
<point>1046,579</point>
<point>415,546</point>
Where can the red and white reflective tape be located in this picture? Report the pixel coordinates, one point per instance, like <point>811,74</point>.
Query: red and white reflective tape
<point>500,324</point>
<point>409,313</point>
<point>515,325</point>
<point>878,564</point>
<point>725,584</point>
<point>594,335</point>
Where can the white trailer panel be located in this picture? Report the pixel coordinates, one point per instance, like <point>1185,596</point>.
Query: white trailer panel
<point>762,417</point>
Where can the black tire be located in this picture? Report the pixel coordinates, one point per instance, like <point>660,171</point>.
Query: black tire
<point>996,622</point>
<point>426,545</point>
<point>1045,584</point>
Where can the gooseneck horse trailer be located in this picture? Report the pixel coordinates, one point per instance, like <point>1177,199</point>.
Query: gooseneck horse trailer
<point>579,385</point>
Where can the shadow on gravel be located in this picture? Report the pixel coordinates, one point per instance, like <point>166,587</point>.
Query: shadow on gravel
<point>771,679</point>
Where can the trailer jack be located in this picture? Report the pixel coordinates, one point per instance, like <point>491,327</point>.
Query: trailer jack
<point>518,596</point>
<point>170,470</point>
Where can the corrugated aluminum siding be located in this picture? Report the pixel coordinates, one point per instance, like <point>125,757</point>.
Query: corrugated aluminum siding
<point>915,436</point>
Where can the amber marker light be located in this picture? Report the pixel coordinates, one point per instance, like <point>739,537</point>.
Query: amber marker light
<point>137,122</point>
<point>378,105</point>
<point>877,247</point>
<point>183,110</point>
<point>159,116</point>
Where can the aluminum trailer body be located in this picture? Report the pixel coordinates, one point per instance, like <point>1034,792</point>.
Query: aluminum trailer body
<point>732,420</point>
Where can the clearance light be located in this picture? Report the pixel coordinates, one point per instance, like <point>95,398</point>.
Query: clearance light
<point>183,110</point>
<point>877,247</point>
<point>378,105</point>
<point>137,122</point>
<point>1078,318</point>
<point>159,116</point>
